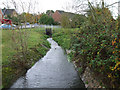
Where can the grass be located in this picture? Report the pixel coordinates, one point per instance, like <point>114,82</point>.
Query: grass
<point>6,47</point>
<point>34,38</point>
<point>12,56</point>
<point>63,36</point>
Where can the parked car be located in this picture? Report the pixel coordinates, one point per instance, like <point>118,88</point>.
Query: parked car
<point>27,23</point>
<point>7,26</point>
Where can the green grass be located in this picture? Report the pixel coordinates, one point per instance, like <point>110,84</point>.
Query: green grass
<point>34,38</point>
<point>6,47</point>
<point>63,36</point>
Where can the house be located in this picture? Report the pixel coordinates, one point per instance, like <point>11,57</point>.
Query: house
<point>4,13</point>
<point>49,12</point>
<point>58,14</point>
<point>11,12</point>
<point>1,15</point>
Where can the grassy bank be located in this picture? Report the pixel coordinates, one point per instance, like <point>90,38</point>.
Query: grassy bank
<point>20,50</point>
<point>63,36</point>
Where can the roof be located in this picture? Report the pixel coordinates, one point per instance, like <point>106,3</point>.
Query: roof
<point>7,11</point>
<point>67,13</point>
<point>60,11</point>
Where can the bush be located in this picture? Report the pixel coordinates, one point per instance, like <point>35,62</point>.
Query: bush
<point>98,44</point>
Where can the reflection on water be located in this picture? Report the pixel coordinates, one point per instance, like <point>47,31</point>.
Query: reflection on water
<point>52,71</point>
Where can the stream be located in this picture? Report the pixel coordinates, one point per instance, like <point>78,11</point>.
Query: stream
<point>52,71</point>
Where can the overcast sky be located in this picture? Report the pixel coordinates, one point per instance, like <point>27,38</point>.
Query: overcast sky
<point>43,5</point>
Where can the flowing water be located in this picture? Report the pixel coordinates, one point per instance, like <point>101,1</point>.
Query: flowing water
<point>52,71</point>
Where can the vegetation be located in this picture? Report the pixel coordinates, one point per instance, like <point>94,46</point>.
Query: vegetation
<point>94,41</point>
<point>21,49</point>
<point>72,22</point>
<point>45,19</point>
<point>62,37</point>
<point>65,22</point>
<point>77,21</point>
<point>23,18</point>
<point>13,18</point>
<point>95,45</point>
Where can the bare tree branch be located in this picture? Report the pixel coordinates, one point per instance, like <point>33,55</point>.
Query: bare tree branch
<point>29,6</point>
<point>22,5</point>
<point>113,4</point>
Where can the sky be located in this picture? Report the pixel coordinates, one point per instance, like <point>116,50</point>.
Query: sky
<point>43,5</point>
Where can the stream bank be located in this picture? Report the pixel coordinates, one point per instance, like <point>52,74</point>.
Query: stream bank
<point>19,55</point>
<point>64,39</point>
<point>87,76</point>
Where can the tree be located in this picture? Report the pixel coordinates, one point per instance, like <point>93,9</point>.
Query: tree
<point>15,20</point>
<point>99,14</point>
<point>22,17</point>
<point>29,17</point>
<point>77,21</point>
<point>65,22</point>
<point>45,19</point>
